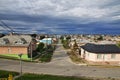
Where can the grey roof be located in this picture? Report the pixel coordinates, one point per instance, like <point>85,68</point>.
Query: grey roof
<point>104,48</point>
<point>15,40</point>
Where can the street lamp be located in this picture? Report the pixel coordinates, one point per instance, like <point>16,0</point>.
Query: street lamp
<point>31,50</point>
<point>20,55</point>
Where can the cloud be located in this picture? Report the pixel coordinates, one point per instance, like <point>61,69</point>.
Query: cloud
<point>61,16</point>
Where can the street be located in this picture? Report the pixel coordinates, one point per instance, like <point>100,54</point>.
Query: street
<point>60,65</point>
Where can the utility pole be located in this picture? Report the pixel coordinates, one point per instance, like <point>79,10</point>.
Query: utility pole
<point>20,55</point>
<point>31,50</point>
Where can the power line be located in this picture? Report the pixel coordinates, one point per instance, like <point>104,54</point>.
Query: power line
<point>5,26</point>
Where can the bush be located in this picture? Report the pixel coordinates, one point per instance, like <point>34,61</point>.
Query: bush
<point>40,47</point>
<point>34,53</point>
<point>75,58</point>
<point>5,74</point>
<point>65,44</point>
<point>118,44</point>
<point>46,57</point>
<point>100,38</point>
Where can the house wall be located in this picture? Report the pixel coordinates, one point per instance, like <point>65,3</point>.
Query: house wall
<point>107,57</point>
<point>87,55</point>
<point>90,56</point>
<point>82,53</point>
<point>13,50</point>
<point>104,57</point>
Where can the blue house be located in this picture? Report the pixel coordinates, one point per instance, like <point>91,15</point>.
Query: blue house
<point>46,40</point>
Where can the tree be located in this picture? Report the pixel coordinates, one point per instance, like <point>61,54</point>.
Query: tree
<point>75,46</point>
<point>42,37</point>
<point>65,44</point>
<point>68,37</point>
<point>61,37</point>
<point>100,38</point>
<point>118,44</point>
<point>34,35</point>
<point>2,35</point>
<point>40,47</point>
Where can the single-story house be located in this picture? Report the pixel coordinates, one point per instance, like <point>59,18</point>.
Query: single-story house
<point>16,44</point>
<point>106,53</point>
<point>46,40</point>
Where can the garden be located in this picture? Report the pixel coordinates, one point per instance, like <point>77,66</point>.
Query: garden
<point>47,53</point>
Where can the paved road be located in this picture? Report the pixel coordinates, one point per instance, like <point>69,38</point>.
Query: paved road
<point>60,65</point>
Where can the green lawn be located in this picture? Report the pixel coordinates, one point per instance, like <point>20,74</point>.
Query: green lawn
<point>15,56</point>
<point>29,76</point>
<point>48,77</point>
<point>5,74</point>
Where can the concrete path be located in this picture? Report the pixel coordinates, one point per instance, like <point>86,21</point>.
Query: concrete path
<point>60,57</point>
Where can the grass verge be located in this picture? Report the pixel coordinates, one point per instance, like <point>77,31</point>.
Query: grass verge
<point>24,56</point>
<point>75,58</point>
<point>46,57</point>
<point>5,74</point>
<point>48,77</point>
<point>15,57</point>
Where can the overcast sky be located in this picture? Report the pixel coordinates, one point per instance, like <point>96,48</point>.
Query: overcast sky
<point>61,16</point>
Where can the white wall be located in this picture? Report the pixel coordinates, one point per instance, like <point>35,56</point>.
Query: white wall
<point>88,55</point>
<point>104,57</point>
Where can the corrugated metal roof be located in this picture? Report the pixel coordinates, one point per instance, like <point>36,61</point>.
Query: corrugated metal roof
<point>98,48</point>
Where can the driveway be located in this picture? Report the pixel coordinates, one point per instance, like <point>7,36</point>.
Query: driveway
<point>60,57</point>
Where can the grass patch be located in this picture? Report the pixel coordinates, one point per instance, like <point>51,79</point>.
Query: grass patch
<point>75,58</point>
<point>48,77</point>
<point>14,56</point>
<point>46,57</point>
<point>105,66</point>
<point>5,74</point>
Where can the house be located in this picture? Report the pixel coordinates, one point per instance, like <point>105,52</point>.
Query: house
<point>46,41</point>
<point>102,53</point>
<point>15,44</point>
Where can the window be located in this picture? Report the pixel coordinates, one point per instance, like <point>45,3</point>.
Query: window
<point>99,56</point>
<point>112,56</point>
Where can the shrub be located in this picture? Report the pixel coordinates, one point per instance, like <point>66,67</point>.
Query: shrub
<point>40,47</point>
<point>65,43</point>
<point>46,57</point>
<point>5,74</point>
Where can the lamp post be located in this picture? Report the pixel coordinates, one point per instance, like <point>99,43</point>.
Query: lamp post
<point>20,55</point>
<point>31,50</point>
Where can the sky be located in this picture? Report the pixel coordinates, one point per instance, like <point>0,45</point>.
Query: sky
<point>61,16</point>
